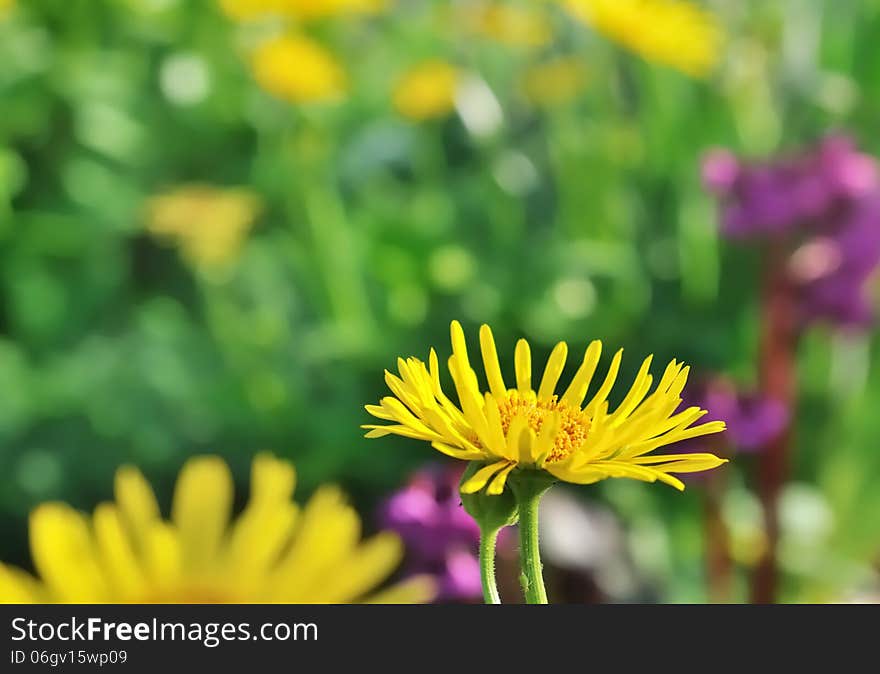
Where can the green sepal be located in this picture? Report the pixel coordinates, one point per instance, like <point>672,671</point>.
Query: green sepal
<point>490,512</point>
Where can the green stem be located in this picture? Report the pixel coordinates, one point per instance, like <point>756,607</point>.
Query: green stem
<point>487,566</point>
<point>528,496</point>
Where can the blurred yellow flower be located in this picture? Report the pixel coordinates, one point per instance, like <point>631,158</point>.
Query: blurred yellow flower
<point>521,429</point>
<point>274,552</point>
<point>517,26</point>
<point>304,10</point>
<point>553,82</point>
<point>673,32</point>
<point>298,69</point>
<point>5,6</point>
<point>427,91</point>
<point>208,223</point>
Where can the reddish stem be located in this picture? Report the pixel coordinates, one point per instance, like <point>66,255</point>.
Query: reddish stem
<point>778,380</point>
<point>718,563</point>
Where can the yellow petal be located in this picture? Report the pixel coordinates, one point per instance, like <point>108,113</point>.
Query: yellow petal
<point>637,392</point>
<point>681,463</point>
<point>19,587</point>
<point>479,479</point>
<point>458,453</point>
<point>137,504</point>
<point>327,532</point>
<point>519,440</point>
<point>546,438</point>
<point>459,346</point>
<point>163,557</point>
<point>555,365</point>
<point>605,389</point>
<point>370,564</point>
<point>490,363</point>
<point>496,487</point>
<point>522,357</point>
<point>379,412</point>
<point>497,442</point>
<point>117,555</point>
<point>266,524</point>
<point>398,429</point>
<point>584,476</point>
<point>258,538</point>
<point>272,480</point>
<point>298,69</point>
<point>64,554</point>
<point>576,392</point>
<point>471,404</point>
<point>201,509</point>
<point>675,435</point>
<point>415,590</point>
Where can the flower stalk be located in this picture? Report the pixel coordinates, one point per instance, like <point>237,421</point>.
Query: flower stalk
<point>488,538</point>
<point>528,491</point>
<point>778,380</point>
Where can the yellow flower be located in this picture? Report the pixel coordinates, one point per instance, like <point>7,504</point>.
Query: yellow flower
<point>528,430</point>
<point>673,32</point>
<point>273,552</point>
<point>511,25</point>
<point>304,10</point>
<point>427,91</point>
<point>553,82</point>
<point>208,223</point>
<point>298,69</point>
<point>245,10</point>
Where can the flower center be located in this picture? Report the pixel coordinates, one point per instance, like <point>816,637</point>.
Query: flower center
<point>574,424</point>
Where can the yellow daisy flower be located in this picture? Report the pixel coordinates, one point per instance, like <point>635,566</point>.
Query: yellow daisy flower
<point>273,552</point>
<point>516,26</point>
<point>298,69</point>
<point>673,32</point>
<point>524,429</point>
<point>427,91</point>
<point>208,223</point>
<point>304,10</point>
<point>554,81</point>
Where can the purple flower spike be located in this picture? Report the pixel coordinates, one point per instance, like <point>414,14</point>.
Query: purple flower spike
<point>824,203</point>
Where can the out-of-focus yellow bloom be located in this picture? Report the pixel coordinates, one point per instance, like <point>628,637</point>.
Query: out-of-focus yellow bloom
<point>298,69</point>
<point>523,429</point>
<point>554,82</point>
<point>304,10</point>
<point>274,552</point>
<point>517,26</point>
<point>5,6</point>
<point>673,32</point>
<point>208,223</point>
<point>427,91</point>
<point>246,10</point>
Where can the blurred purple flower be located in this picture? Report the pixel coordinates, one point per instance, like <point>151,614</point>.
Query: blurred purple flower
<point>753,420</point>
<point>825,202</point>
<point>440,537</point>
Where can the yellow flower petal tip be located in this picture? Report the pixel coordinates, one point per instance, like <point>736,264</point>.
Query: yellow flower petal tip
<point>209,224</point>
<point>426,91</point>
<point>676,33</point>
<point>299,69</point>
<point>565,434</point>
<point>274,552</point>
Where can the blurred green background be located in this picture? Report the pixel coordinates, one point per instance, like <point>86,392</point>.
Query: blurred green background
<point>193,260</point>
